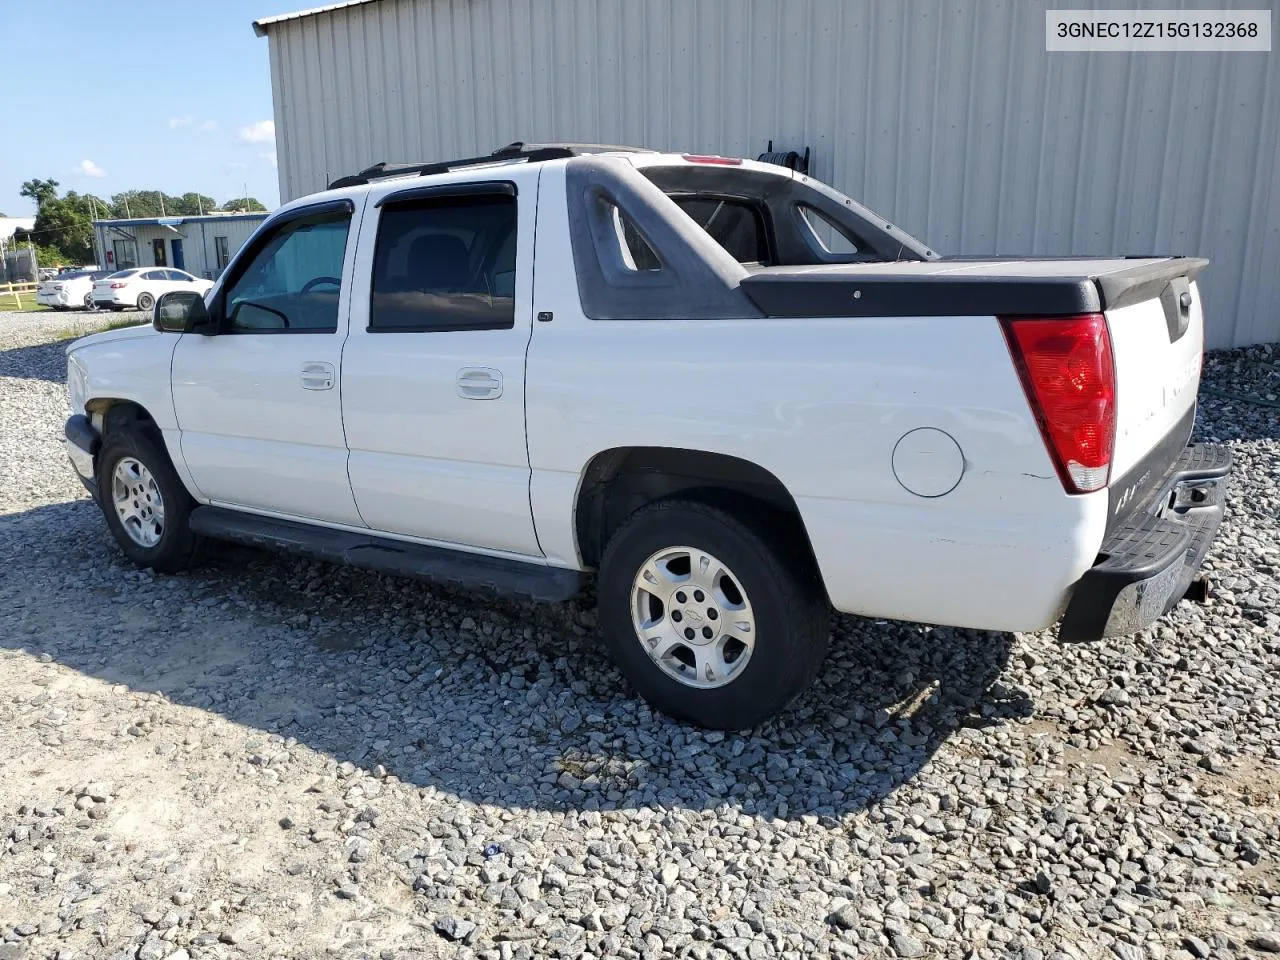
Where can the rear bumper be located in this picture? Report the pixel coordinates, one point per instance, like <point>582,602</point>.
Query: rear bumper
<point>1146,564</point>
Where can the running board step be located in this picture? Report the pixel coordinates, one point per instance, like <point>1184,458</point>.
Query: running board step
<point>451,568</point>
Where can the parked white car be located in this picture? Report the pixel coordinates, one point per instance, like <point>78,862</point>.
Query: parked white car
<point>70,290</point>
<point>733,424</point>
<point>141,287</point>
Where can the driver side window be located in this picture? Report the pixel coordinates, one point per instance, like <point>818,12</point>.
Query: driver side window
<point>293,281</point>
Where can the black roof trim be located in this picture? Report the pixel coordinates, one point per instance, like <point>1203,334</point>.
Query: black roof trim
<point>518,150</point>
<point>472,188</point>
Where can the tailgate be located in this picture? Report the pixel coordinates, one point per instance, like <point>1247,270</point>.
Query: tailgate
<point>1156,324</point>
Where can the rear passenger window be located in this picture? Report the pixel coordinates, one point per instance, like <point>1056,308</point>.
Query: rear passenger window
<point>445,263</point>
<point>826,233</point>
<point>633,249</point>
<point>735,225</point>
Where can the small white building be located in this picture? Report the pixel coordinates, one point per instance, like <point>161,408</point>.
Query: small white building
<point>199,245</point>
<point>9,225</point>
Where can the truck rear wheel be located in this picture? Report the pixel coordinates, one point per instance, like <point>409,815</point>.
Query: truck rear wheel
<point>712,619</point>
<point>144,502</point>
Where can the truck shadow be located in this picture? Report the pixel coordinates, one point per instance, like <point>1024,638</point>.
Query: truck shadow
<point>500,703</point>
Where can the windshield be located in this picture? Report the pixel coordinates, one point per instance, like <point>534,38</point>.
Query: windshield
<point>74,274</point>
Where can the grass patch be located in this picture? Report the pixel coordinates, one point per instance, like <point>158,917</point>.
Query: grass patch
<point>10,303</point>
<point>73,333</point>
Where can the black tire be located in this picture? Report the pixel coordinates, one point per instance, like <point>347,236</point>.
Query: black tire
<point>177,548</point>
<point>792,615</point>
<point>88,301</point>
<point>146,301</point>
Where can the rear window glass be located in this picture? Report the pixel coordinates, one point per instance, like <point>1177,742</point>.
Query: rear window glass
<point>734,224</point>
<point>123,273</point>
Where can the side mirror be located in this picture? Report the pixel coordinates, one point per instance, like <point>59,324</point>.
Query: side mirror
<point>182,311</point>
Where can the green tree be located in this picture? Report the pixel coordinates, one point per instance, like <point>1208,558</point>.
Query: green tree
<point>138,203</point>
<point>66,225</point>
<point>41,191</point>
<point>244,205</point>
<point>191,204</point>
<point>50,256</point>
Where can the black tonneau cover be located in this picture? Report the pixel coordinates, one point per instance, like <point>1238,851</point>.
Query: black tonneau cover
<point>964,287</point>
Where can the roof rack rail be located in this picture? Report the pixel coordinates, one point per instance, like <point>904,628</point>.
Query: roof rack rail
<point>518,150</point>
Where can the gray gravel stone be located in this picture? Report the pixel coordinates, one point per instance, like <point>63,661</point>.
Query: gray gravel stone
<point>454,928</point>
<point>1197,947</point>
<point>964,793</point>
<point>905,945</point>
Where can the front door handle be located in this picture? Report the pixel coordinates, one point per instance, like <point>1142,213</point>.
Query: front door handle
<point>479,383</point>
<point>318,375</point>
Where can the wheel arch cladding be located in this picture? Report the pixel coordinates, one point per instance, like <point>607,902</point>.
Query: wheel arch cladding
<point>116,413</point>
<point>619,481</point>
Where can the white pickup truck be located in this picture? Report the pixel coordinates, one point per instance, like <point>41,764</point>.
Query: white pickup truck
<point>734,395</point>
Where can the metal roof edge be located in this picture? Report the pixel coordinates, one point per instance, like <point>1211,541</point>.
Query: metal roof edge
<point>260,26</point>
<point>169,221</point>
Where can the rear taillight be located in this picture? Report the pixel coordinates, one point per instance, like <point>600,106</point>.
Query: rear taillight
<point>1070,380</point>
<point>117,285</point>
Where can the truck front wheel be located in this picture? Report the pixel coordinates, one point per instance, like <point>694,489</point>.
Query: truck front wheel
<point>144,502</point>
<point>712,619</point>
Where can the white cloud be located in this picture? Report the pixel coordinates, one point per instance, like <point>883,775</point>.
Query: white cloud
<point>208,126</point>
<point>90,169</point>
<point>270,157</point>
<point>264,131</point>
<point>185,120</point>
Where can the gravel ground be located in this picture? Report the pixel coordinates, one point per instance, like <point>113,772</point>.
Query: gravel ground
<point>276,758</point>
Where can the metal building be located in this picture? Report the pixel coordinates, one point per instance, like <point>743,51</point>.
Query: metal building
<point>200,245</point>
<point>947,117</point>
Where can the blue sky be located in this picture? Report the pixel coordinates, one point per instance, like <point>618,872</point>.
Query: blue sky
<point>149,95</point>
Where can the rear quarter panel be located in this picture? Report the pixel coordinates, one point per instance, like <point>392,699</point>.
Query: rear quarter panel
<point>821,404</point>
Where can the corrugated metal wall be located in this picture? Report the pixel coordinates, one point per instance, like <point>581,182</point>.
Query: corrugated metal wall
<point>200,247</point>
<point>947,117</point>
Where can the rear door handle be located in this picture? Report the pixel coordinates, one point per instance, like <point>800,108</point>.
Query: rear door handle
<point>479,383</point>
<point>318,375</point>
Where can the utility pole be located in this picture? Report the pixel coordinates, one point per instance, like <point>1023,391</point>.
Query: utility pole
<point>162,213</point>
<point>126,207</point>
